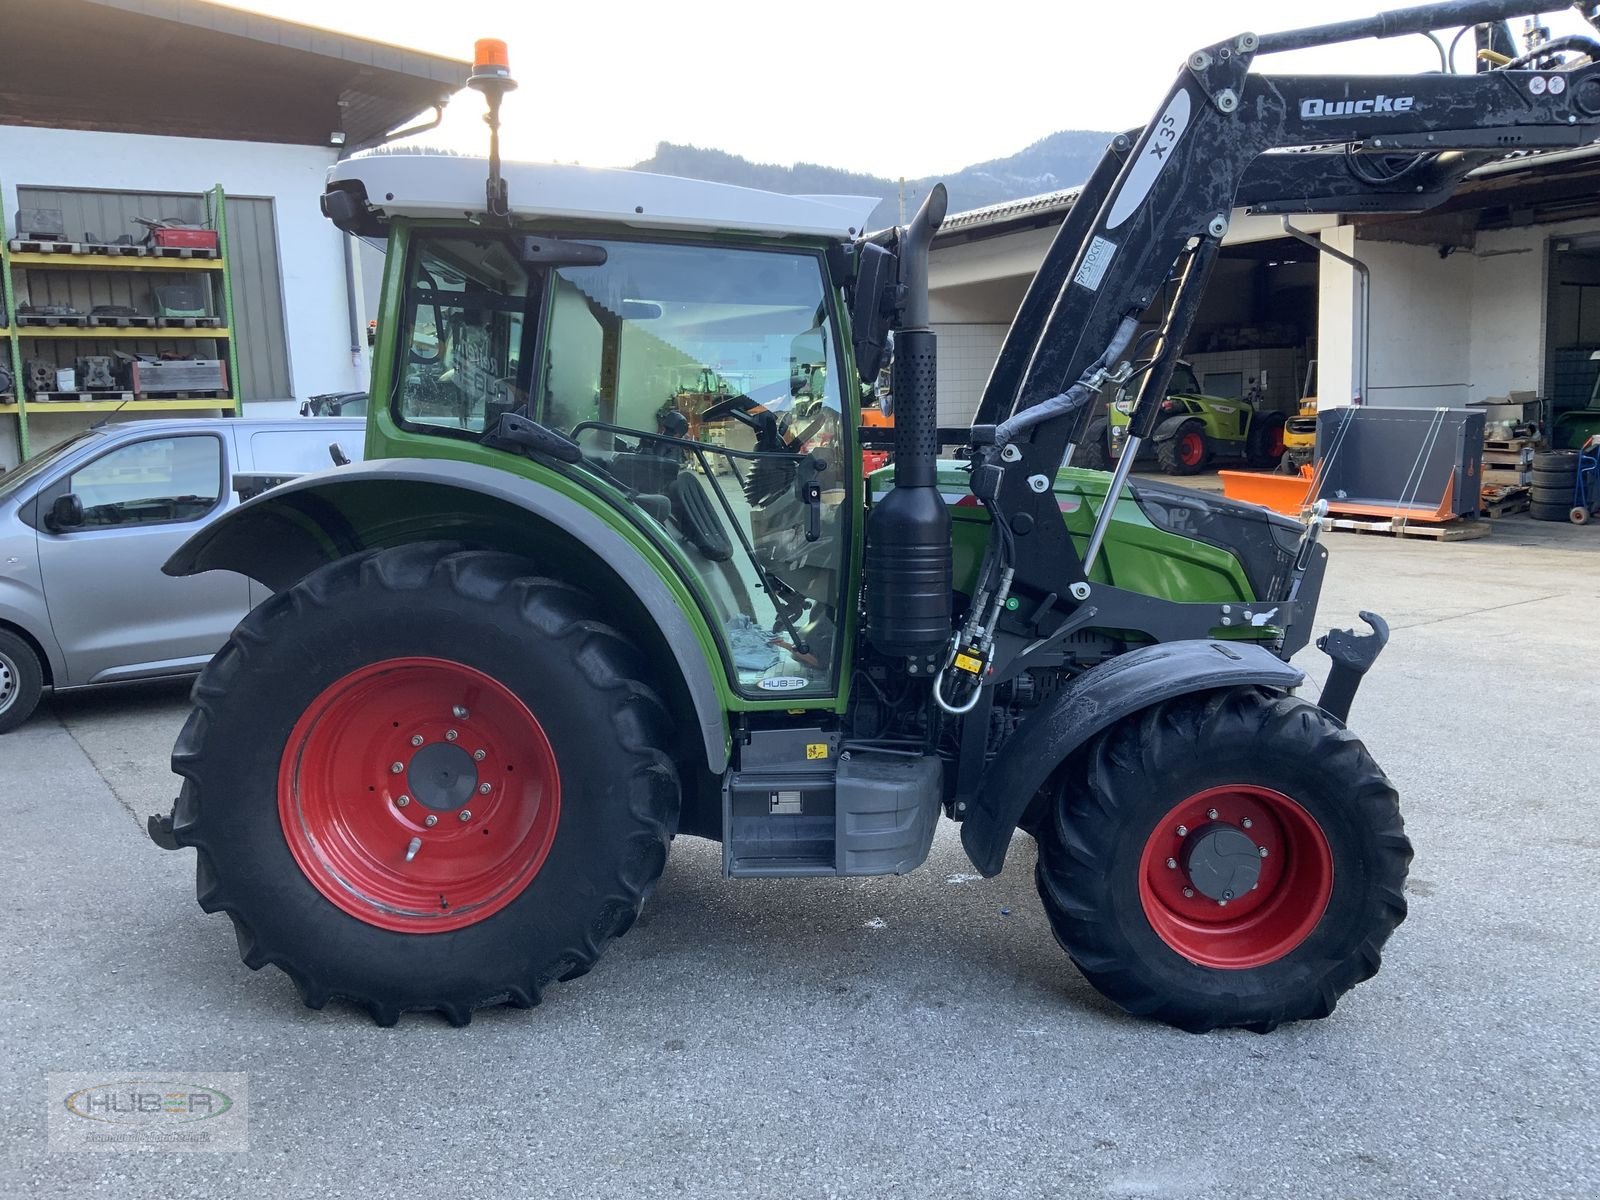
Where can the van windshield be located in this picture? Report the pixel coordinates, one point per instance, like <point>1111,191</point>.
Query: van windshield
<point>40,463</point>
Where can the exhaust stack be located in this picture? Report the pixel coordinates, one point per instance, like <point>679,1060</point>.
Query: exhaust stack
<point>908,556</point>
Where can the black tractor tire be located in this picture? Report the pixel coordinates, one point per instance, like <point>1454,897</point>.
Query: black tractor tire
<point>1564,461</point>
<point>582,681</point>
<point>1094,452</point>
<point>1113,806</point>
<point>1174,454</point>
<point>1549,510</point>
<point>21,680</point>
<point>1263,445</point>
<point>1555,481</point>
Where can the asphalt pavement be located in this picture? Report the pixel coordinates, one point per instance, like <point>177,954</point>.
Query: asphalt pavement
<point>899,1037</point>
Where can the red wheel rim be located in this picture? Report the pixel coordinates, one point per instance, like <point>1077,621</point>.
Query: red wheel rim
<point>469,754</point>
<point>1262,924</point>
<point>1191,449</point>
<point>1275,441</point>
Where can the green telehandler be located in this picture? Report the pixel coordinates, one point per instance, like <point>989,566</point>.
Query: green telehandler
<point>557,619</point>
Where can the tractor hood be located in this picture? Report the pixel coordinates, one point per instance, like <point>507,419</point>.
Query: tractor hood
<point>1164,540</point>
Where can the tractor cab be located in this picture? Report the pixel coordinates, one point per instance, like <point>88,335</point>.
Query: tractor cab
<point>678,346</point>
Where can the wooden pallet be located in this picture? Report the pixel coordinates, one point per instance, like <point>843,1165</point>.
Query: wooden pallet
<point>1504,502</point>
<point>50,322</point>
<point>115,249</point>
<point>188,394</point>
<point>1462,530</point>
<point>76,397</point>
<point>189,322</point>
<point>122,322</point>
<point>179,252</point>
<point>37,246</point>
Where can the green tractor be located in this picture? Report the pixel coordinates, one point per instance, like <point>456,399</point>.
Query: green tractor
<point>554,622</point>
<point>1195,428</point>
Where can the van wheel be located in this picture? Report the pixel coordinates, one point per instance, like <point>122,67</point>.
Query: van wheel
<point>21,681</point>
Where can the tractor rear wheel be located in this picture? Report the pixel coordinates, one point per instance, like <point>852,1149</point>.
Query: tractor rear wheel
<point>1230,859</point>
<point>426,778</point>
<point>1186,451</point>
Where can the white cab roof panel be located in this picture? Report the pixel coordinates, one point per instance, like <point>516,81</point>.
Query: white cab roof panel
<point>438,185</point>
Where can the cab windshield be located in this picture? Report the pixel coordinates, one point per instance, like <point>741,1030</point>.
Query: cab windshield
<point>700,380</point>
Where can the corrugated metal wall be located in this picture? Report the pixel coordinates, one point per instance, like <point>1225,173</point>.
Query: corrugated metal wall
<point>257,282</point>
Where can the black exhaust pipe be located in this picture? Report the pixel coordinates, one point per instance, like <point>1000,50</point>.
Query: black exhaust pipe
<point>908,557</point>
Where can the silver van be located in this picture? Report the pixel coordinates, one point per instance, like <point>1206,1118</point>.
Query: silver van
<point>85,527</point>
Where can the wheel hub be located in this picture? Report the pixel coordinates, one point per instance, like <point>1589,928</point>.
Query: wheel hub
<point>1222,862</point>
<point>442,777</point>
<point>1236,876</point>
<point>419,795</point>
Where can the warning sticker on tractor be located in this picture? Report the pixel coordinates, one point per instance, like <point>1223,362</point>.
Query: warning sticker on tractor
<point>1095,261</point>
<point>816,749</point>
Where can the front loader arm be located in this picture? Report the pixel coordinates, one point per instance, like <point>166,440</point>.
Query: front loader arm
<point>1158,207</point>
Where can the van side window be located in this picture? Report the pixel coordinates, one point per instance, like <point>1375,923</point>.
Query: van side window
<point>151,482</point>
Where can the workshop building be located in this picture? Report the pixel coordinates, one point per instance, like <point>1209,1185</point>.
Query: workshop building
<point>159,102</point>
<point>1495,294</point>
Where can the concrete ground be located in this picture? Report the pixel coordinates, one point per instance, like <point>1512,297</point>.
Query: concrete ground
<point>916,1036</point>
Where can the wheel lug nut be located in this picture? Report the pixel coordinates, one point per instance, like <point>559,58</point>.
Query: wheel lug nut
<point>478,756</point>
<point>396,767</point>
<point>402,801</point>
<point>466,814</point>
<point>484,789</point>
<point>1247,822</point>
<point>1189,893</point>
<point>430,820</point>
<point>459,713</point>
<point>1211,813</point>
<point>416,739</point>
<point>1263,852</point>
<point>1172,864</point>
<point>1183,831</point>
<point>449,735</point>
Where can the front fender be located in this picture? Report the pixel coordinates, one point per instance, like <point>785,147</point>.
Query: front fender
<point>1091,703</point>
<point>283,535</point>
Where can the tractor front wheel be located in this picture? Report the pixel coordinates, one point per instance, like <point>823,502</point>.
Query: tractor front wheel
<point>426,778</point>
<point>1232,859</point>
<point>1186,451</point>
<point>1264,443</point>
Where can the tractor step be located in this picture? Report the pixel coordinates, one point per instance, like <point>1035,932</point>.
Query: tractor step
<point>798,805</point>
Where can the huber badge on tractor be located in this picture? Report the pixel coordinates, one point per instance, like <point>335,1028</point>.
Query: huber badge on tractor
<point>610,572</point>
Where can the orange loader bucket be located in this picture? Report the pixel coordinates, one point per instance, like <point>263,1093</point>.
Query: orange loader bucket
<point>1284,494</point>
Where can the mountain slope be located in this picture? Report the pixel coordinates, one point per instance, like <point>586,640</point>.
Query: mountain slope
<point>1061,160</point>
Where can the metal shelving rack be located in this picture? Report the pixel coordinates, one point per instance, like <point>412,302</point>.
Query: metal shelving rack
<point>219,269</point>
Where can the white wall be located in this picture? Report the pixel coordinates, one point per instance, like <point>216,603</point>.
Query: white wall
<point>316,314</point>
<point>1449,331</point>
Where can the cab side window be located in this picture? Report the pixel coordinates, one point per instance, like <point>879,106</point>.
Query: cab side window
<point>151,482</point>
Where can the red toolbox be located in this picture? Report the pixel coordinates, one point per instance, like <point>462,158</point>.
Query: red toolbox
<point>188,239</point>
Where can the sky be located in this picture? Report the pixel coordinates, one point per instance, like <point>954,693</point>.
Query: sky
<point>892,89</point>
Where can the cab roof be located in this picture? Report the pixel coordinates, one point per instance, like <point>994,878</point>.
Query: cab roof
<point>450,186</point>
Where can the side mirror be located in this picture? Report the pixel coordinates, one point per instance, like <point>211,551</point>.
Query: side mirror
<point>65,513</point>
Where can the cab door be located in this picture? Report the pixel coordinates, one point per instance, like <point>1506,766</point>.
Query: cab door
<point>113,612</point>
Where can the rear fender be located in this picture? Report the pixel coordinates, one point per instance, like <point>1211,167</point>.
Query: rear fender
<point>1091,703</point>
<point>1168,429</point>
<point>286,533</point>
